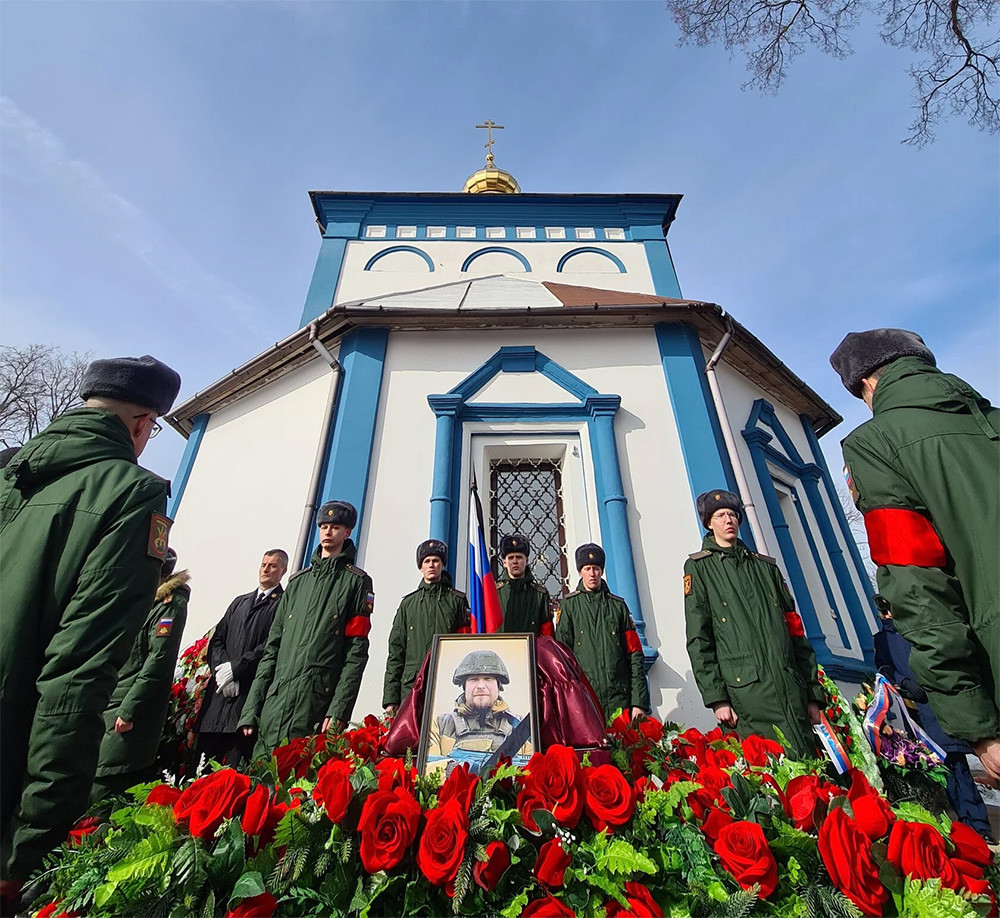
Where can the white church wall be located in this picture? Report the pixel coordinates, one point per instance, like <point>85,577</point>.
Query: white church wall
<point>403,269</point>
<point>247,489</point>
<point>662,523</point>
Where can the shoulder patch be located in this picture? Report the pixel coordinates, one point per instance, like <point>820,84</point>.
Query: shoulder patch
<point>369,602</point>
<point>619,598</point>
<point>304,570</point>
<point>687,585</point>
<point>458,593</point>
<point>574,593</point>
<point>159,529</point>
<point>766,558</point>
<point>355,570</point>
<point>535,585</point>
<point>502,584</point>
<point>164,627</point>
<point>698,555</point>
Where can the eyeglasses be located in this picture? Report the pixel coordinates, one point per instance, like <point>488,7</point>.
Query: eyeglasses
<point>155,429</point>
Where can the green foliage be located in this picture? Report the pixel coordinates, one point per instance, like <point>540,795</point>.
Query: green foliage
<point>914,812</point>
<point>794,845</point>
<point>516,906</point>
<point>930,900</point>
<point>618,856</point>
<point>827,902</point>
<point>738,905</point>
<point>249,884</point>
<point>745,802</point>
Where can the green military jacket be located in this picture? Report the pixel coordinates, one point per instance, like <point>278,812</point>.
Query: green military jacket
<point>925,472</point>
<point>142,695</point>
<point>316,652</point>
<point>82,537</point>
<point>526,605</point>
<point>432,608</point>
<point>598,628</point>
<point>747,645</point>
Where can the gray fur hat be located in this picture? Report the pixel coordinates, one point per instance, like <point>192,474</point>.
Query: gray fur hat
<point>432,547</point>
<point>338,512</point>
<point>143,381</point>
<point>861,353</point>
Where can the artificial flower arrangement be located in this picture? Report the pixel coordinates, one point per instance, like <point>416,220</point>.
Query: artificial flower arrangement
<point>190,679</point>
<point>675,823</point>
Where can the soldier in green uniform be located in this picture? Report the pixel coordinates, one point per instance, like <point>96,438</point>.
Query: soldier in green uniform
<point>134,719</point>
<point>925,472</point>
<point>481,720</point>
<point>433,608</point>
<point>525,602</point>
<point>82,537</point>
<point>751,660</point>
<point>317,648</point>
<point>597,626</point>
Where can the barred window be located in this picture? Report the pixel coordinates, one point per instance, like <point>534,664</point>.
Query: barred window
<point>526,497</point>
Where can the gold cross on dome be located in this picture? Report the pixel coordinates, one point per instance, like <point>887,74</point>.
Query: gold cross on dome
<point>489,126</point>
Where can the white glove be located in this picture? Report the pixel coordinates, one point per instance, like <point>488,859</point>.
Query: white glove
<point>224,674</point>
<point>231,689</point>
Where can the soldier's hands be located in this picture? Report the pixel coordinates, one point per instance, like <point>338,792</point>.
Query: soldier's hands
<point>122,726</point>
<point>725,714</point>
<point>329,723</point>
<point>391,709</point>
<point>988,751</point>
<point>814,712</point>
<point>247,731</point>
<point>637,712</point>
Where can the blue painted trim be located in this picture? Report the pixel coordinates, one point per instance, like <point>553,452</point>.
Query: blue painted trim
<point>326,276</point>
<point>706,458</point>
<point>400,248</point>
<point>349,450</point>
<point>177,486</point>
<point>857,606</point>
<point>593,250</point>
<point>452,410</point>
<point>661,268</point>
<point>496,248</point>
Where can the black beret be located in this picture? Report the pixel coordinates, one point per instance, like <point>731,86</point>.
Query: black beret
<point>514,543</point>
<point>861,353</point>
<point>590,554</point>
<point>432,547</point>
<point>711,501</point>
<point>338,512</point>
<point>142,381</point>
<point>169,563</point>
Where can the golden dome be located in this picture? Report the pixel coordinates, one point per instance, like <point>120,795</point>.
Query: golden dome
<point>491,180</point>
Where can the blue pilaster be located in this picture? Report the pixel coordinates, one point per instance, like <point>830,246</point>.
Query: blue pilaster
<point>177,486</point>
<point>445,408</point>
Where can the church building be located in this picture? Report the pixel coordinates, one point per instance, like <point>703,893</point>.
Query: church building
<point>540,343</point>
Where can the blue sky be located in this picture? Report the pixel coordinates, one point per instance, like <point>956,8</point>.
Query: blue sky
<point>156,159</point>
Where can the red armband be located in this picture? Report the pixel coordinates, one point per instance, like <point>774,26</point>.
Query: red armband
<point>358,627</point>
<point>632,642</point>
<point>546,630</point>
<point>794,622</point>
<point>903,537</point>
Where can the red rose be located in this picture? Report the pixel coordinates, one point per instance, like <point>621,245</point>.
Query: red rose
<point>295,757</point>
<point>651,729</point>
<point>640,903</point>
<point>461,786</point>
<point>756,749</point>
<point>211,800</point>
<point>919,852</point>
<point>872,812</point>
<point>85,826</point>
<point>442,845</point>
<point>642,787</point>
<point>51,911</point>
<point>333,789</point>
<point>163,795</point>
<point>806,798</point>
<point>972,854</point>
<point>847,856</point>
<point>261,816</point>
<point>720,758</point>
<point>608,798</point>
<point>393,773</point>
<point>261,906</point>
<point>487,873</point>
<point>388,825</point>
<point>744,852</point>
<point>548,907</point>
<point>692,744</point>
<point>366,741</point>
<point>551,864</point>
<point>713,780</point>
<point>552,781</point>
<point>622,727</point>
<point>714,822</point>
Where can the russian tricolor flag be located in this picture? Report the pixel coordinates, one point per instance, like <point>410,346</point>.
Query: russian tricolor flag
<point>487,616</point>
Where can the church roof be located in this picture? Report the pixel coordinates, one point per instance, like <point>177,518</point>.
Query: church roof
<point>499,301</point>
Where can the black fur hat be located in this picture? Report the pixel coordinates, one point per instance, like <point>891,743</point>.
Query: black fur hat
<point>515,542</point>
<point>861,353</point>
<point>142,381</point>
<point>338,512</point>
<point>432,547</point>
<point>590,553</point>
<point>711,501</point>
<point>168,565</point>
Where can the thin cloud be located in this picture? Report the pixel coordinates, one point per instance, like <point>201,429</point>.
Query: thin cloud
<point>209,297</point>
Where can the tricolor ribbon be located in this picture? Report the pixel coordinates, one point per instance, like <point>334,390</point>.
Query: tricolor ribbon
<point>885,693</point>
<point>831,745</point>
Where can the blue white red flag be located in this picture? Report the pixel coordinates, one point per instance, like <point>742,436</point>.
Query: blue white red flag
<point>487,616</point>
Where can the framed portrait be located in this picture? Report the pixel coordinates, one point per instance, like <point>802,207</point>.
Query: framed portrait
<point>481,704</point>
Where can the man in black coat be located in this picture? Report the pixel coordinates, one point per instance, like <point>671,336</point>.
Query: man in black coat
<point>234,651</point>
<point>892,657</point>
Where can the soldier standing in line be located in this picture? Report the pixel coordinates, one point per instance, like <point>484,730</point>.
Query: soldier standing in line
<point>234,653</point>
<point>751,660</point>
<point>134,719</point>
<point>317,649</point>
<point>433,608</point>
<point>925,472</point>
<point>82,537</point>
<point>525,602</point>
<point>597,626</point>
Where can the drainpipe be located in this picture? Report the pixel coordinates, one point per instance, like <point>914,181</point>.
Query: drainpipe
<point>727,435</point>
<point>309,511</point>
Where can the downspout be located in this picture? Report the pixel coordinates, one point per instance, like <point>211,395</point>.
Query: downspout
<point>727,435</point>
<point>309,511</point>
